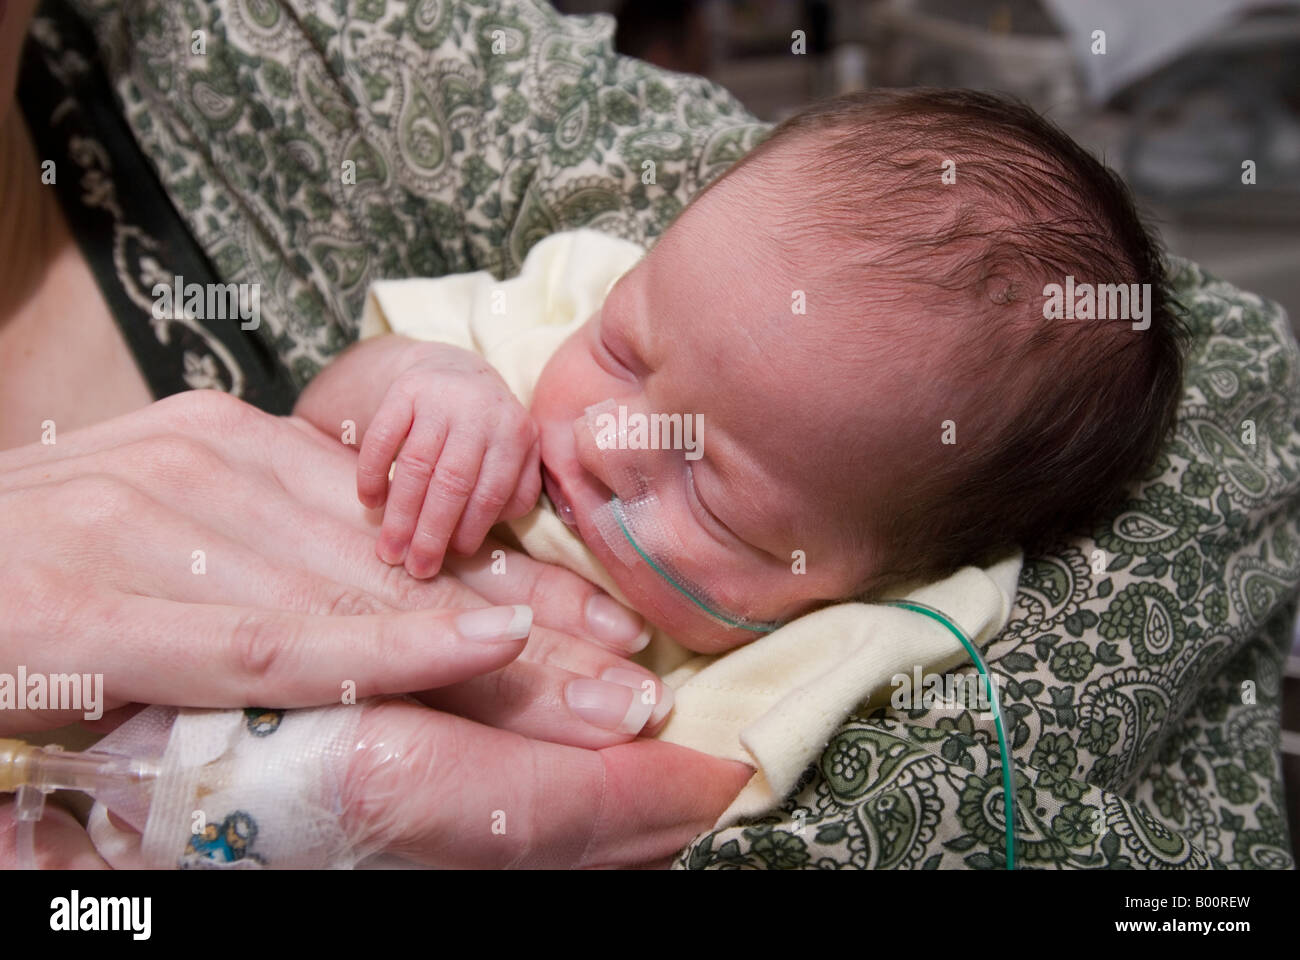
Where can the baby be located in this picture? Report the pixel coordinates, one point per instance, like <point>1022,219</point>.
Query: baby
<point>855,315</point>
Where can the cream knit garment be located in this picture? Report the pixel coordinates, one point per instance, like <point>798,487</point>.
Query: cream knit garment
<point>776,702</point>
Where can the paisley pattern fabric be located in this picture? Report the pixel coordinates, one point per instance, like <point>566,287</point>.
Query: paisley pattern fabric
<point>316,147</point>
<point>126,227</point>
<point>1141,669</point>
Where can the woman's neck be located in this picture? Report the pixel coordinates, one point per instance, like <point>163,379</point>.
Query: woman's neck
<point>31,227</point>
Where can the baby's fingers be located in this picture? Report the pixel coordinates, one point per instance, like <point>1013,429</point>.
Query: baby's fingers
<point>448,492</point>
<point>498,481</point>
<point>415,466</point>
<point>379,448</point>
<point>529,487</point>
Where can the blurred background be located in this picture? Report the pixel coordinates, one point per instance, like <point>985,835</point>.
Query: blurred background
<point>1177,95</point>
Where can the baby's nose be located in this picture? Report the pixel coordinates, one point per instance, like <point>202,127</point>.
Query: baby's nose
<point>610,445</point>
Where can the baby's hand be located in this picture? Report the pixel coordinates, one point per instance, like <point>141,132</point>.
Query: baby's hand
<point>469,458</point>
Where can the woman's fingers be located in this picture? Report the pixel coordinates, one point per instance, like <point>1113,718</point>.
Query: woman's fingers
<point>320,473</point>
<point>583,681</point>
<point>131,627</point>
<point>210,655</point>
<point>264,523</point>
<point>198,494</point>
<point>545,702</point>
<point>561,689</point>
<point>190,563</point>
<point>529,804</point>
<point>561,599</point>
<point>657,798</point>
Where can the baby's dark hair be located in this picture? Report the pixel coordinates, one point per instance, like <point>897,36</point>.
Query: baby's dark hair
<point>962,207</point>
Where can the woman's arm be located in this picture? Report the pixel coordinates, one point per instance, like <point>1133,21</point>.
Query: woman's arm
<point>629,805</point>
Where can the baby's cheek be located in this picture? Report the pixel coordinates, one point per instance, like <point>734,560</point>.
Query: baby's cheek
<point>562,387</point>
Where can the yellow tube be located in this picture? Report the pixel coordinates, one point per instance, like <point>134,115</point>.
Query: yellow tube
<point>22,764</point>
<point>15,764</point>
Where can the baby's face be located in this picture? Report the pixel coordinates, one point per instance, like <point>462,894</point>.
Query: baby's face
<point>703,326</point>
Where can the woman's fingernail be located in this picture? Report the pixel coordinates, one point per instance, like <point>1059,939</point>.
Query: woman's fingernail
<point>496,624</point>
<point>658,696</point>
<point>610,706</point>
<point>641,641</point>
<point>614,623</point>
<point>664,706</point>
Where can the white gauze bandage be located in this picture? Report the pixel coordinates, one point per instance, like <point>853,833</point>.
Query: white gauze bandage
<point>239,789</point>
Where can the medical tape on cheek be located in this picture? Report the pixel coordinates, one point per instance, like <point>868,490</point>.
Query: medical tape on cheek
<point>635,530</point>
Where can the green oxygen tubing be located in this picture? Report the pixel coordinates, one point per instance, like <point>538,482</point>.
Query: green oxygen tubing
<point>1008,768</point>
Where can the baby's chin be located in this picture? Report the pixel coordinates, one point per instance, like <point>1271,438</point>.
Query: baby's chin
<point>716,638</point>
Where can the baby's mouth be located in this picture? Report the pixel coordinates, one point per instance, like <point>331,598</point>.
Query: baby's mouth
<point>562,506</point>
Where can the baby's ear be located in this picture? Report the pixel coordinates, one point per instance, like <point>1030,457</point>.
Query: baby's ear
<point>1002,289</point>
<point>1003,273</point>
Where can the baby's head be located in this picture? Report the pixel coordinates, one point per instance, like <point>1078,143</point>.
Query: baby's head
<point>855,313</point>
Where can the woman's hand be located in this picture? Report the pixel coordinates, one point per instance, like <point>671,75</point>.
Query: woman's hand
<point>571,684</point>
<point>178,552</point>
<point>444,792</point>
